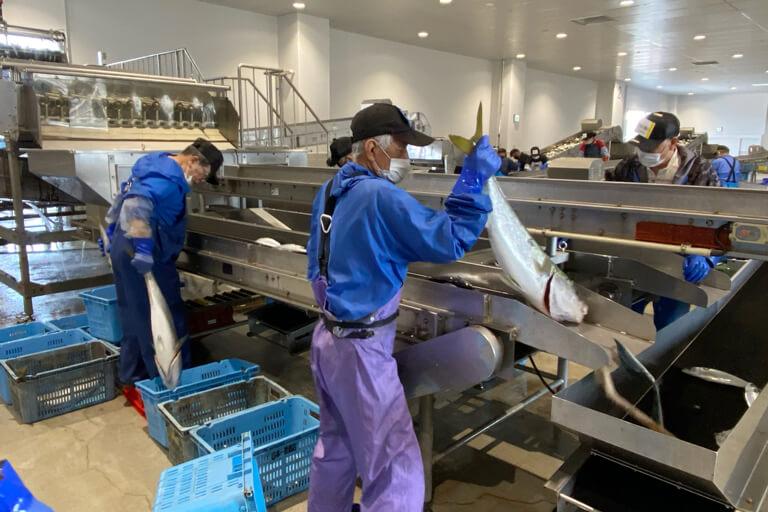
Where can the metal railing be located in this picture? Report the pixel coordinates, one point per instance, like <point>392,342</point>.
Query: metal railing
<point>173,63</point>
<point>273,113</point>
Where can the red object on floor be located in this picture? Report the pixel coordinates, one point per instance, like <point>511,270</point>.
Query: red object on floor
<point>134,398</point>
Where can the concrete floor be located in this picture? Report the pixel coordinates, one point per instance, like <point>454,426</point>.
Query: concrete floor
<point>103,458</point>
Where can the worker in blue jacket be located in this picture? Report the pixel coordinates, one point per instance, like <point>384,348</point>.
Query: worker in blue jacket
<point>145,231</point>
<point>364,233</point>
<point>728,168</point>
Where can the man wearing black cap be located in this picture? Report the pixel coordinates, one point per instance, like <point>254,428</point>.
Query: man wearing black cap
<point>660,158</point>
<point>364,233</point>
<point>592,147</point>
<point>145,232</point>
<point>340,150</point>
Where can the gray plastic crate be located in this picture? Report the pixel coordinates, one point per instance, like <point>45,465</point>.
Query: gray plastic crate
<point>61,380</point>
<point>189,412</point>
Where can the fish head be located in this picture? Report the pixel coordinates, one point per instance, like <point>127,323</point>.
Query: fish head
<point>564,303</point>
<point>170,372</point>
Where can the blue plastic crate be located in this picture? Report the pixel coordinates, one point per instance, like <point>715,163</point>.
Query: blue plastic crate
<point>227,481</point>
<point>284,437</point>
<point>18,332</point>
<point>62,380</point>
<point>101,308</point>
<point>192,380</point>
<point>33,345</point>
<point>71,322</point>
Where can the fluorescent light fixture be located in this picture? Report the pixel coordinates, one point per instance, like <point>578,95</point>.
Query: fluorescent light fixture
<point>759,85</point>
<point>520,56</point>
<point>299,5</point>
<point>705,79</point>
<point>561,35</point>
<point>699,37</point>
<point>673,69</point>
<point>423,34</point>
<point>577,68</point>
<point>445,2</point>
<point>690,94</point>
<point>626,3</point>
<point>738,55</point>
<point>627,79</point>
<point>622,54</point>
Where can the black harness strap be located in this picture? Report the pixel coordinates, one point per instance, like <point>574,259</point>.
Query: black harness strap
<point>732,175</point>
<point>323,254</point>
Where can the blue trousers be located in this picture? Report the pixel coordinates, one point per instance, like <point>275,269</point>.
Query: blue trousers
<point>665,310</point>
<point>137,353</point>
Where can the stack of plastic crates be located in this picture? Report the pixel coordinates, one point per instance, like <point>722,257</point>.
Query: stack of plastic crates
<point>284,436</point>
<point>224,481</point>
<point>35,344</point>
<point>185,414</point>
<point>61,380</point>
<point>71,322</point>
<point>193,380</point>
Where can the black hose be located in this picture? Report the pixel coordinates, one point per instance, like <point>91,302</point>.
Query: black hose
<point>536,368</point>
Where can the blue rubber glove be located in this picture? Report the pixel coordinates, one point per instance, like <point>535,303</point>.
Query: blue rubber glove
<point>477,168</point>
<point>142,258</point>
<point>101,247</point>
<point>14,495</point>
<point>696,268</point>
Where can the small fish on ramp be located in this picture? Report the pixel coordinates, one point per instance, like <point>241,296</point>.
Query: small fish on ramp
<point>167,345</point>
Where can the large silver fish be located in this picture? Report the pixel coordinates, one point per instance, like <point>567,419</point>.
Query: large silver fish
<point>543,284</point>
<point>167,345</point>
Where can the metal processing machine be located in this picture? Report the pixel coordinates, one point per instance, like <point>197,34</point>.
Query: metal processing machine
<point>569,146</point>
<point>83,127</point>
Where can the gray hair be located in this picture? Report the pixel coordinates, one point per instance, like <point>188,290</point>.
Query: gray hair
<point>384,141</point>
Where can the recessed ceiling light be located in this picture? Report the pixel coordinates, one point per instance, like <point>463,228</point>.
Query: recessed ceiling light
<point>705,79</point>
<point>445,2</point>
<point>626,3</point>
<point>489,4</point>
<point>759,85</point>
<point>577,68</point>
<point>520,56</point>
<point>299,5</point>
<point>733,88</point>
<point>690,94</point>
<point>622,54</point>
<point>659,86</point>
<point>561,35</point>
<point>699,37</point>
<point>673,69</point>
<point>627,79</point>
<point>738,55</point>
<point>423,34</point>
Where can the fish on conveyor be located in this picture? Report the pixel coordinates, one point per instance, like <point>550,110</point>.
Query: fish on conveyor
<point>167,345</point>
<point>727,379</point>
<point>544,285</point>
<point>268,242</point>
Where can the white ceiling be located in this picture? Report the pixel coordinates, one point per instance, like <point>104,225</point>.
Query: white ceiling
<point>656,34</point>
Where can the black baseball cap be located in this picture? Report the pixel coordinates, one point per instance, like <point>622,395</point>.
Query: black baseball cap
<point>383,119</point>
<point>213,155</point>
<point>340,148</point>
<point>654,129</point>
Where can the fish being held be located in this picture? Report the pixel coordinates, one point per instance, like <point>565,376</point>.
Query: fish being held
<point>544,285</point>
<point>167,345</point>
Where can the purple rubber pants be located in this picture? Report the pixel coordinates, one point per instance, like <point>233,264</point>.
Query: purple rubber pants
<point>365,425</point>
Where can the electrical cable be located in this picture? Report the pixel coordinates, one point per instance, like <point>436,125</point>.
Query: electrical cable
<point>536,369</point>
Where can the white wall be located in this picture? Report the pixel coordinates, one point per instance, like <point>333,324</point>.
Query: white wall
<point>446,87</point>
<point>648,100</point>
<point>219,38</point>
<point>742,117</point>
<point>555,105</point>
<point>45,14</point>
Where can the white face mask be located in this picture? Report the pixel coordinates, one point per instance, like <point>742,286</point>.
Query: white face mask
<point>189,180</point>
<point>649,159</point>
<point>399,168</point>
